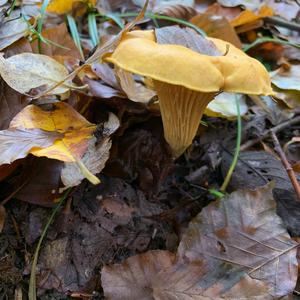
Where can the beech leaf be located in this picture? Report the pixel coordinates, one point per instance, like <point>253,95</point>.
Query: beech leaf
<point>243,234</point>
<point>27,71</point>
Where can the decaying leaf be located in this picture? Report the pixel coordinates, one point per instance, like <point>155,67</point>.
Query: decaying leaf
<point>16,143</point>
<point>186,37</point>
<point>27,71</point>
<point>12,29</point>
<point>244,231</point>
<point>62,121</point>
<point>224,105</point>
<point>255,169</point>
<point>236,248</point>
<point>95,157</point>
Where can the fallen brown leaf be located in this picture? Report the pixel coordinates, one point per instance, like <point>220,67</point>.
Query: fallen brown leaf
<point>236,248</point>
<point>60,36</point>
<point>134,279</point>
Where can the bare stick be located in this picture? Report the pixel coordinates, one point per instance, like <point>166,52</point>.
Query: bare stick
<point>275,129</point>
<point>286,164</point>
<point>282,23</point>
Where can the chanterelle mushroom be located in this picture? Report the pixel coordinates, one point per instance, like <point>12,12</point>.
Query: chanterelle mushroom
<point>186,80</point>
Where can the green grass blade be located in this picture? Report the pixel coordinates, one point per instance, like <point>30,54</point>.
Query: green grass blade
<point>93,31</point>
<point>116,18</point>
<point>32,281</point>
<point>75,34</point>
<point>40,23</point>
<point>269,39</point>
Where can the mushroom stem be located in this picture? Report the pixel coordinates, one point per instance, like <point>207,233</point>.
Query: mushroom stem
<point>181,111</point>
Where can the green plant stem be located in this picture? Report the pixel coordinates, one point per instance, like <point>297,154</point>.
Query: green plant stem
<point>269,39</point>
<point>32,281</point>
<point>40,23</point>
<point>75,34</point>
<point>237,148</point>
<point>161,17</point>
<point>11,8</point>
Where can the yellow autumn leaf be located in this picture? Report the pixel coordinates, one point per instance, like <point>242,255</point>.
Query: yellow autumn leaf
<point>248,16</point>
<point>65,6</point>
<point>63,119</point>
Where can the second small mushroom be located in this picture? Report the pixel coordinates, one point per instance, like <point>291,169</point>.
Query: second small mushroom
<point>186,80</point>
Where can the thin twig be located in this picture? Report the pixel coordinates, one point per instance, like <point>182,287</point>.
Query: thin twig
<point>275,129</point>
<point>282,23</point>
<point>15,192</point>
<point>286,164</point>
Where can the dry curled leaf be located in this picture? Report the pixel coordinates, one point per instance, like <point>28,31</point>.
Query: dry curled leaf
<point>27,71</point>
<point>95,157</point>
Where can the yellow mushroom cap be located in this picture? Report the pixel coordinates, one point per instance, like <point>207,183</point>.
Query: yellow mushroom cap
<point>234,71</point>
<point>186,80</point>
